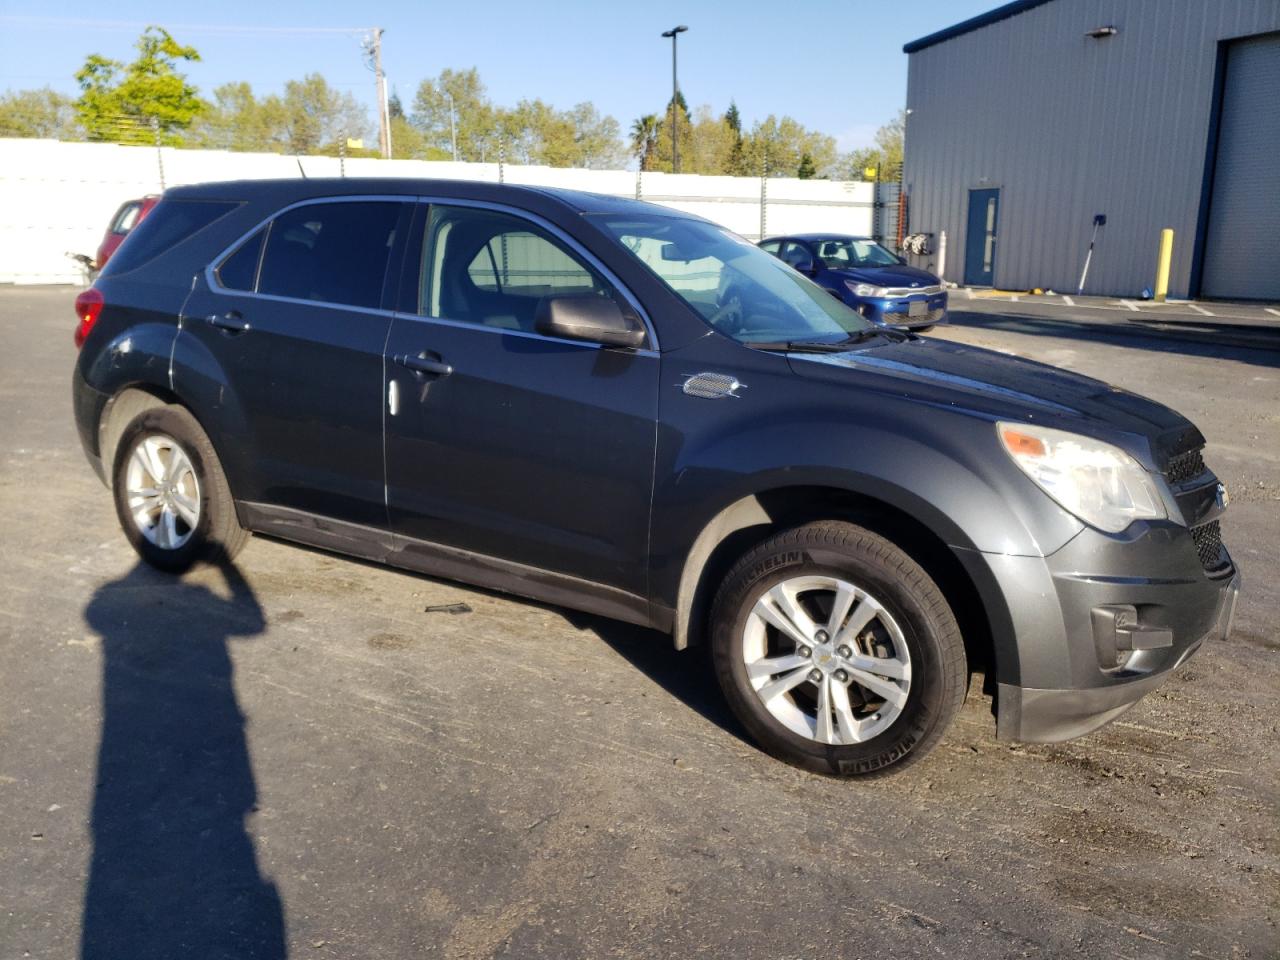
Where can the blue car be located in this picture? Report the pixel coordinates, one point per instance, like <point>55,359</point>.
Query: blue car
<point>874,281</point>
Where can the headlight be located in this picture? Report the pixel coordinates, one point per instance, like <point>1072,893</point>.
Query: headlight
<point>1098,482</point>
<point>865,289</point>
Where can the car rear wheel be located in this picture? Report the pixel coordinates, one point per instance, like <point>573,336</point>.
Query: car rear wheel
<point>837,651</point>
<point>171,495</point>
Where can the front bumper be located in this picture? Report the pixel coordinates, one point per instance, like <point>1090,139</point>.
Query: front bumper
<point>1039,715</point>
<point>897,311</point>
<point>1083,634</point>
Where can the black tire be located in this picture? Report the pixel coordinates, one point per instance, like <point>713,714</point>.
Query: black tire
<point>939,670</point>
<point>217,535</point>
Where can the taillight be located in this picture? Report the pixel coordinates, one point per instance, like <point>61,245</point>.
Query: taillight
<point>88,306</point>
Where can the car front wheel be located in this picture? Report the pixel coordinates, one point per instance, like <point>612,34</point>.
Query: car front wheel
<point>837,651</point>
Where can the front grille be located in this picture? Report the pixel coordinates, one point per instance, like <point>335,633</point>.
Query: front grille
<point>1208,538</point>
<point>913,291</point>
<point>1184,467</point>
<point>933,316</point>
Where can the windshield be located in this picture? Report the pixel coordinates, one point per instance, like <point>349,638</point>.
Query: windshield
<point>843,254</point>
<point>735,286</point>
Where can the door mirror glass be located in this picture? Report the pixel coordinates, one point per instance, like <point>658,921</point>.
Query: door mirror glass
<point>588,317</point>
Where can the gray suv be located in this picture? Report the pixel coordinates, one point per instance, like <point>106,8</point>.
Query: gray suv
<point>615,407</point>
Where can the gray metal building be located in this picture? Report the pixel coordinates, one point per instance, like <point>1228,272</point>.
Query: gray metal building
<point>1026,122</point>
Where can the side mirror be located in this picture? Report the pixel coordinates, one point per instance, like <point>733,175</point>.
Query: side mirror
<point>589,317</point>
<point>805,265</point>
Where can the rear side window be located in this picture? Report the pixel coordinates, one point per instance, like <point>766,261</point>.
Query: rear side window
<point>126,217</point>
<point>330,252</point>
<point>240,270</point>
<point>170,223</point>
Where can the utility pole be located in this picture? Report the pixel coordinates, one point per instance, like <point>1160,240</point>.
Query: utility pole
<point>453,128</point>
<point>373,46</point>
<point>675,92</point>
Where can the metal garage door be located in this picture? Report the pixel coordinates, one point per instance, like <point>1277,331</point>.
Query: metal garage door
<point>1242,247</point>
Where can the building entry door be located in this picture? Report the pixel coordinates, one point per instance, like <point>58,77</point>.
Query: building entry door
<point>980,238</point>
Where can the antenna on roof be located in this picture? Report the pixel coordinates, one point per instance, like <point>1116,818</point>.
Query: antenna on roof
<point>300,170</point>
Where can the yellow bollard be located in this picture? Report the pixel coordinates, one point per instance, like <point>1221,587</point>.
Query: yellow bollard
<point>1162,265</point>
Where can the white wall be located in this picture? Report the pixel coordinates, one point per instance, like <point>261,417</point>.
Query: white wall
<point>57,197</point>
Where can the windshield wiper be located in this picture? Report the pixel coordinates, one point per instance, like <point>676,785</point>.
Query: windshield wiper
<point>814,346</point>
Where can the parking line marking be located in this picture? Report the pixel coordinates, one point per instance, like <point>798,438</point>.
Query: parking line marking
<point>1269,310</point>
<point>1014,298</point>
<point>1131,305</point>
<point>1200,310</point>
<point>969,291</point>
<point>1068,301</point>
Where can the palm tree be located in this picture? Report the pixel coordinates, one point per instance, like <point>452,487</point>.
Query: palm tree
<point>644,138</point>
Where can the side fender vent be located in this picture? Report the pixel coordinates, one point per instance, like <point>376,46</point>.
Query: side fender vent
<point>712,386</point>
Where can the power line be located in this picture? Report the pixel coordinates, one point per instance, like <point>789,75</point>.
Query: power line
<point>175,28</point>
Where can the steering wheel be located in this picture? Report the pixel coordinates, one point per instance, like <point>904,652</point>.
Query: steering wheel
<point>729,315</point>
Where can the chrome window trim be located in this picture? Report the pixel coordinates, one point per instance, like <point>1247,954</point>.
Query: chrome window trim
<point>527,334</point>
<point>211,276</point>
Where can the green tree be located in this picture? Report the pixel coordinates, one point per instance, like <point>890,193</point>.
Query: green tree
<point>597,138</point>
<point>711,144</point>
<point>130,102</point>
<point>475,120</point>
<point>781,143</point>
<point>237,120</point>
<point>806,170</point>
<point>644,139</point>
<point>662,159</point>
<point>313,117</point>
<point>38,113</point>
<point>736,164</point>
<point>884,160</point>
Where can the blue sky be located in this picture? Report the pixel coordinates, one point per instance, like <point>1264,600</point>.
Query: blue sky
<point>835,67</point>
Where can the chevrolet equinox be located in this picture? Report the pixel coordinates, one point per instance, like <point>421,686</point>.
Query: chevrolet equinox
<point>620,408</point>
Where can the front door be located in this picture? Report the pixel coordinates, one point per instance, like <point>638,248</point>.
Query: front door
<point>294,335</point>
<point>980,238</point>
<point>501,441</point>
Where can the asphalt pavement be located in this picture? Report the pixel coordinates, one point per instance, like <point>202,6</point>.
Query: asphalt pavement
<point>298,757</point>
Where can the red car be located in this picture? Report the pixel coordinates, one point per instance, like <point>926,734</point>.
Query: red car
<point>126,218</point>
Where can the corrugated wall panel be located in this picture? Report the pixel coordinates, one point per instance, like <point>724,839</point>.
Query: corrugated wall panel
<point>1068,126</point>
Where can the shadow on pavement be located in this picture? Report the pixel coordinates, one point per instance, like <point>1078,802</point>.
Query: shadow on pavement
<point>173,872</point>
<point>1119,334</point>
<point>685,674</point>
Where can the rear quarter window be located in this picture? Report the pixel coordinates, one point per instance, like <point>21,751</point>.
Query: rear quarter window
<point>169,224</point>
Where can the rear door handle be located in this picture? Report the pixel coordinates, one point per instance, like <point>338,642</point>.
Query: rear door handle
<point>424,364</point>
<point>231,321</point>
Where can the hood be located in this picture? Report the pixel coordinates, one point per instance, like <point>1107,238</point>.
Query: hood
<point>898,275</point>
<point>998,386</point>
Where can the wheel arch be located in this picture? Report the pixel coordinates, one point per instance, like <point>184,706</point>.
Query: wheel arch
<point>976,602</point>
<point>120,408</point>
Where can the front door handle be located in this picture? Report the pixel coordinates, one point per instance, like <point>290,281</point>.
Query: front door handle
<point>422,363</point>
<point>231,321</point>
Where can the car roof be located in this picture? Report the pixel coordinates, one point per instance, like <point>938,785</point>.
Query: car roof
<point>818,237</point>
<point>305,188</point>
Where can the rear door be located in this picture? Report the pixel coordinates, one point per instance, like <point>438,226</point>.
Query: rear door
<point>294,326</point>
<point>514,445</point>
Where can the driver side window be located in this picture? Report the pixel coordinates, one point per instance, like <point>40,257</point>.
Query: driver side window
<point>490,268</point>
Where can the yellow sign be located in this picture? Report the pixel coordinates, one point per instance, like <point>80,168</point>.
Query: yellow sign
<point>354,144</point>
<point>870,172</point>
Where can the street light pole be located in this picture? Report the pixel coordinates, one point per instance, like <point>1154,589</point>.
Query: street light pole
<point>675,91</point>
